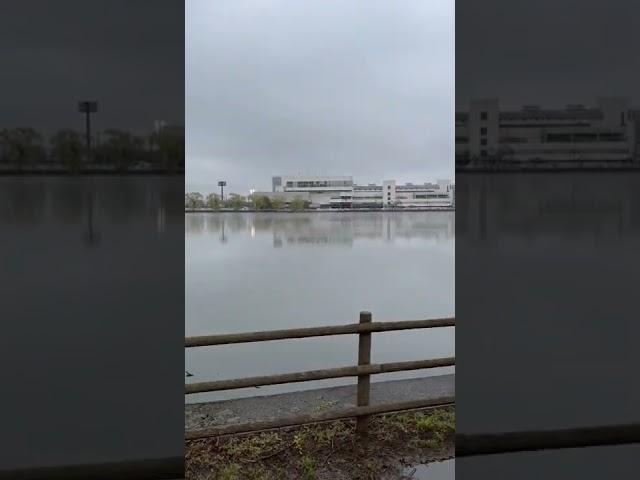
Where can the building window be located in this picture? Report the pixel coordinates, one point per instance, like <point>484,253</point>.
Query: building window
<point>483,116</point>
<point>483,141</point>
<point>612,137</point>
<point>483,130</point>
<point>483,153</point>
<point>558,137</point>
<point>585,137</point>
<point>513,140</point>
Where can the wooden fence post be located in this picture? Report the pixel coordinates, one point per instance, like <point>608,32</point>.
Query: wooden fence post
<point>364,381</point>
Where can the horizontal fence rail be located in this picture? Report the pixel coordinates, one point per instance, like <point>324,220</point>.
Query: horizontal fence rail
<point>250,337</point>
<point>311,375</point>
<point>363,371</point>
<point>153,469</point>
<point>510,442</point>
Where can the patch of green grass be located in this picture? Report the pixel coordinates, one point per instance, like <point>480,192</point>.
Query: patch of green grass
<point>253,447</point>
<point>308,466</point>
<point>427,429</point>
<point>258,473</point>
<point>300,440</point>
<point>229,472</point>
<point>319,436</point>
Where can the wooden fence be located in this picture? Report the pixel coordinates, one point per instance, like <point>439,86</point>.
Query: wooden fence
<point>468,445</point>
<point>363,370</point>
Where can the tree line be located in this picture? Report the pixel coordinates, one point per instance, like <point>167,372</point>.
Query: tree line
<point>119,149</point>
<point>195,200</point>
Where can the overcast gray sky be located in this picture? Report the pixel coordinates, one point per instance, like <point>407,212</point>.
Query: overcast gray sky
<point>331,87</point>
<point>550,53</point>
<point>122,53</point>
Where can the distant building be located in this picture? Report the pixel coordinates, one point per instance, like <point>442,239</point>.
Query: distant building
<point>609,131</point>
<point>341,192</point>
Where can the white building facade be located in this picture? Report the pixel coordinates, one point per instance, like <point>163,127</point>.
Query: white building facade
<point>340,192</point>
<point>608,131</point>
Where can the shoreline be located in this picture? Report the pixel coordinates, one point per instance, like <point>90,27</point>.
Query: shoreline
<point>321,210</point>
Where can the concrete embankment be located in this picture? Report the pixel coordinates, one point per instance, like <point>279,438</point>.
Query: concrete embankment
<point>229,412</point>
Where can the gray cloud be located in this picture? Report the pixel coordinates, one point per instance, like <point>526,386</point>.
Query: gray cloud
<point>364,88</point>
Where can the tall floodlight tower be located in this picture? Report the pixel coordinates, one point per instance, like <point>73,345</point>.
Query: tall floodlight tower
<point>88,107</point>
<point>222,184</point>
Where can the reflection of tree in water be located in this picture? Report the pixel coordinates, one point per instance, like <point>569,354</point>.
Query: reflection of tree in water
<point>213,222</point>
<point>136,199</point>
<point>82,203</point>
<point>126,199</point>
<point>23,201</point>
<point>236,222</point>
<point>195,223</point>
<point>281,221</point>
<point>68,201</point>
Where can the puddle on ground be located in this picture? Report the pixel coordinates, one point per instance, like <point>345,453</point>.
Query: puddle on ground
<point>445,470</point>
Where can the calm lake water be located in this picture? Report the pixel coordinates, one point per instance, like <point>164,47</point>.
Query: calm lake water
<point>92,270</point>
<point>264,271</point>
<point>432,471</point>
<point>547,316</point>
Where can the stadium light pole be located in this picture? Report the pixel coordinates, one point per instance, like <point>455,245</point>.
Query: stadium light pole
<point>88,107</point>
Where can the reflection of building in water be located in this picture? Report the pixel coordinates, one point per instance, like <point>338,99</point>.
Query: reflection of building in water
<point>610,131</point>
<point>341,192</point>
<point>586,206</point>
<point>311,240</point>
<point>319,228</point>
<point>345,229</point>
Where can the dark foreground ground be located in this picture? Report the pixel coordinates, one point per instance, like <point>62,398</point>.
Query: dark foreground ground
<point>397,447</point>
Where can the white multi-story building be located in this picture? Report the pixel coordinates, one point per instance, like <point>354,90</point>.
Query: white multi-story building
<point>609,131</point>
<point>341,192</point>
<point>317,190</point>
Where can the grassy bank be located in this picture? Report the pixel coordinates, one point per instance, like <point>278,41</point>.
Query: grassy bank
<point>327,451</point>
